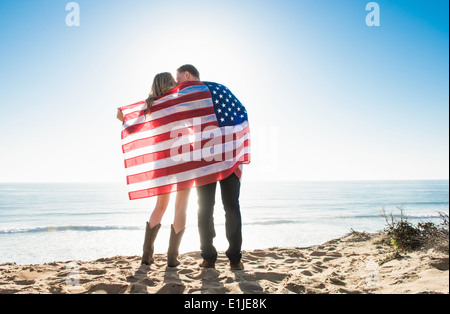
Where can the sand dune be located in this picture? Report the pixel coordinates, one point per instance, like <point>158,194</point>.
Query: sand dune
<point>341,266</point>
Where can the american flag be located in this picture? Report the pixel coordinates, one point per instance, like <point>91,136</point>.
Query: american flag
<point>196,134</point>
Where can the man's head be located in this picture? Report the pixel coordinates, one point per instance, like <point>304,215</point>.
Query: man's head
<point>187,73</point>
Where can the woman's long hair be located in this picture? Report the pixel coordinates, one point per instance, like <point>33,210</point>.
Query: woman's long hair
<point>162,83</point>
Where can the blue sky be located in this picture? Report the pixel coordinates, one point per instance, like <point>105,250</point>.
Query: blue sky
<point>328,97</point>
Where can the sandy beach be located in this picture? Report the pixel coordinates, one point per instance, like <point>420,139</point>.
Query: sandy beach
<point>355,263</point>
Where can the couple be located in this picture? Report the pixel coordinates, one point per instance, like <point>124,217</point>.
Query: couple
<point>230,189</point>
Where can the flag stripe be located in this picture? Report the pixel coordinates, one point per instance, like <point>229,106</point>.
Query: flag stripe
<point>182,99</point>
<point>168,158</point>
<point>191,174</point>
<point>218,176</point>
<point>184,89</point>
<point>180,90</point>
<point>170,127</point>
<point>176,168</point>
<point>174,137</point>
<point>141,118</point>
<point>153,155</point>
<point>148,141</point>
<point>142,127</point>
<point>139,112</point>
<point>125,109</point>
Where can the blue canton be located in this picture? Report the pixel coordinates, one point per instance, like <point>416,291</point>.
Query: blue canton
<point>229,110</point>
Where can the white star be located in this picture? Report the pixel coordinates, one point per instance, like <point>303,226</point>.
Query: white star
<point>242,116</point>
<point>232,118</point>
<point>235,113</point>
<point>222,119</point>
<point>214,92</point>
<point>221,96</point>
<point>219,110</point>
<point>217,101</point>
<point>223,105</point>
<point>229,109</point>
<point>239,108</point>
<point>226,114</point>
<point>226,100</point>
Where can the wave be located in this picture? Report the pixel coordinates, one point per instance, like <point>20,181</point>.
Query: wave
<point>260,222</point>
<point>397,216</point>
<point>273,222</point>
<point>126,228</point>
<point>67,228</point>
<point>306,220</point>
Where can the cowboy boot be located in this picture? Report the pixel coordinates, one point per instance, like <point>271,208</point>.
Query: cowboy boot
<point>174,245</point>
<point>150,236</point>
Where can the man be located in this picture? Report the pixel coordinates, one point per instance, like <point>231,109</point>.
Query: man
<point>187,73</point>
<point>230,188</point>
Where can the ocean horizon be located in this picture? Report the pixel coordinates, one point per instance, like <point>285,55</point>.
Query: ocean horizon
<point>47,222</point>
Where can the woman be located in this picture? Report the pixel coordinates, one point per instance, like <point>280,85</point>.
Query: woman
<point>162,83</point>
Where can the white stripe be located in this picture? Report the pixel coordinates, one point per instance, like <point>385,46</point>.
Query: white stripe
<point>186,157</point>
<point>173,127</point>
<point>168,128</point>
<point>167,144</point>
<point>196,104</point>
<point>135,108</point>
<point>188,175</point>
<point>183,92</point>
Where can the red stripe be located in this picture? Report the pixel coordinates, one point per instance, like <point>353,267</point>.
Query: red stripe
<point>174,90</point>
<point>179,116</point>
<point>245,159</point>
<point>133,115</point>
<point>211,178</point>
<point>170,103</point>
<point>141,143</point>
<point>146,158</point>
<point>180,87</point>
<point>182,99</point>
<point>158,173</point>
<point>132,106</point>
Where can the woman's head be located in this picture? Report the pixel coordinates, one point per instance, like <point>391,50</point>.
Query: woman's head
<point>162,83</point>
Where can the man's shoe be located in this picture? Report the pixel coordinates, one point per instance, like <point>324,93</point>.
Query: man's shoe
<point>206,264</point>
<point>238,266</point>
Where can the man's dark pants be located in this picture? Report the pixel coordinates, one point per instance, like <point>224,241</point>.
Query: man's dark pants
<point>230,188</point>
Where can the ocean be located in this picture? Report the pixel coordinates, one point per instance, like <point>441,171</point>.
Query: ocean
<point>41,223</point>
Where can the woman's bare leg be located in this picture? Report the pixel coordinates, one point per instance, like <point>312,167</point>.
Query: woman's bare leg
<point>161,206</point>
<point>181,205</point>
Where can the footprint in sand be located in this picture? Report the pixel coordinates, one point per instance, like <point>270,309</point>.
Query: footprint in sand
<point>107,288</point>
<point>295,288</point>
<point>269,276</point>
